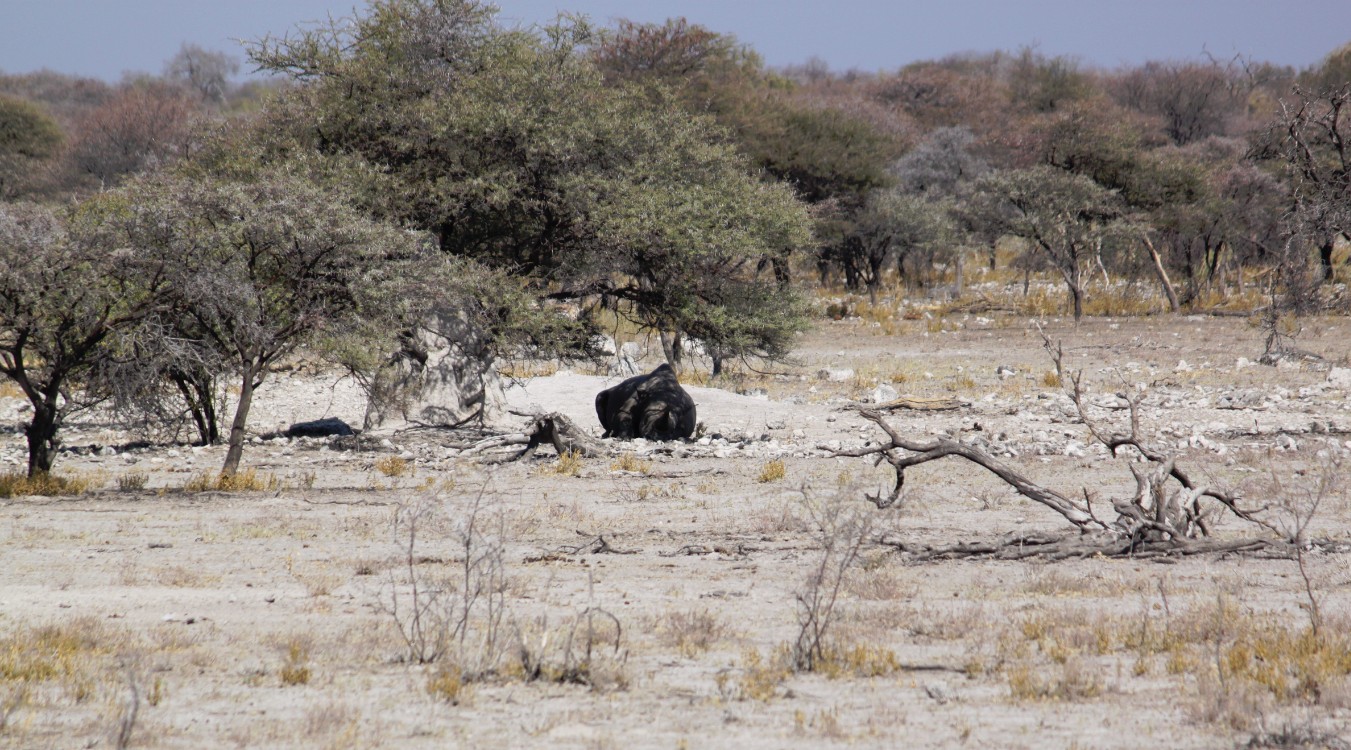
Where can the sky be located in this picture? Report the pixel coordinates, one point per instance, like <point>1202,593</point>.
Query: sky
<point>108,38</point>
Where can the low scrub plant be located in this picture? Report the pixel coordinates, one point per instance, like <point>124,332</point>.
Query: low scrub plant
<point>44,484</point>
<point>248,480</point>
<point>393,466</point>
<point>772,471</point>
<point>132,481</point>
<point>569,464</point>
<point>630,462</point>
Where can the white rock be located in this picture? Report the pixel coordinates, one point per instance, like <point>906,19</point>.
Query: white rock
<point>839,375</point>
<point>1339,377</point>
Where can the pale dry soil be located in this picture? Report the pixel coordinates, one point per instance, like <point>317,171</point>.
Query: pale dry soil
<point>261,619</point>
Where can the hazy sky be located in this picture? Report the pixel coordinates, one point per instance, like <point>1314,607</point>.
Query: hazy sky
<point>105,38</point>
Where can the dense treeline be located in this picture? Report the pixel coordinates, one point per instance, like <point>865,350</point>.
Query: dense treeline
<point>421,157</point>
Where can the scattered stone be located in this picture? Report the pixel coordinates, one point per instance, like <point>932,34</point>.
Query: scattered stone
<point>835,375</point>
<point>1339,377</point>
<point>882,394</point>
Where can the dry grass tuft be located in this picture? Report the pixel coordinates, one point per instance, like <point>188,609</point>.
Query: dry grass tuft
<point>393,466</point>
<point>245,481</point>
<point>630,462</point>
<point>296,670</point>
<point>569,464</point>
<point>772,471</point>
<point>692,633</point>
<point>133,481</point>
<point>760,679</point>
<point>44,484</point>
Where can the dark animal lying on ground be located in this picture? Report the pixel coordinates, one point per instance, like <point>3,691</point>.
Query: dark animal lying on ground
<point>651,406</point>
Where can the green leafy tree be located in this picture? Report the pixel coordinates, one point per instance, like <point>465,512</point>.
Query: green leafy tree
<point>510,148</point>
<point>1066,217</point>
<point>831,157</point>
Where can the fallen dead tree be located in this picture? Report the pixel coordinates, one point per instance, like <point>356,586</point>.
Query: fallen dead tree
<point>553,429</point>
<point>1166,516</point>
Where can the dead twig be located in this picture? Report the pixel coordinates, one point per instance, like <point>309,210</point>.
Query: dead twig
<point>594,546</point>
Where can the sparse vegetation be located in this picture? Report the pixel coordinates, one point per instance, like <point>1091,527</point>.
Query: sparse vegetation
<point>392,466</point>
<point>572,200</point>
<point>772,471</point>
<point>249,480</point>
<point>132,481</point>
<point>631,463</point>
<point>42,483</point>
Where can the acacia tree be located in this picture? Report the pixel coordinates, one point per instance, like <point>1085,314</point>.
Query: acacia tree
<point>256,269</point>
<point>509,147</point>
<point>64,294</point>
<point>1067,218</point>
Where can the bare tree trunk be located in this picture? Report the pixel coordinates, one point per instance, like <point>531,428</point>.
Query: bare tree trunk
<point>958,293</point>
<point>1074,280</point>
<point>1163,276</point>
<point>236,450</point>
<point>197,393</point>
<point>1325,259</point>
<point>670,346</point>
<point>41,433</point>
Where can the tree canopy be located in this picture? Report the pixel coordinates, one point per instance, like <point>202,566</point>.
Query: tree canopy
<point>511,149</point>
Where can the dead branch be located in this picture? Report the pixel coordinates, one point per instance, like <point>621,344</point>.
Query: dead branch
<point>1188,513</point>
<point>741,550</point>
<point>917,404</point>
<point>1052,548</point>
<point>594,546</point>
<point>552,428</point>
<point>1079,514</point>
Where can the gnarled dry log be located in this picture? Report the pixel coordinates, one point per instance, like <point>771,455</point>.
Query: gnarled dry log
<point>560,432</point>
<point>920,452</point>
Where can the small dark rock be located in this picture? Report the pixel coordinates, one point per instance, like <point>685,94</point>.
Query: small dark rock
<point>319,428</point>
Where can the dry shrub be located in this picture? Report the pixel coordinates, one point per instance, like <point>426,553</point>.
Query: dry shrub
<point>772,471</point>
<point>691,633</point>
<point>630,462</point>
<point>248,480</point>
<point>43,666</point>
<point>569,464</point>
<point>296,670</point>
<point>393,466</point>
<point>586,649</point>
<point>44,484</point>
<point>841,529</point>
<point>758,678</point>
<point>1074,679</point>
<point>132,481</point>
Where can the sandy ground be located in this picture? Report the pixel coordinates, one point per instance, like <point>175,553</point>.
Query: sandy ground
<point>263,618</point>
